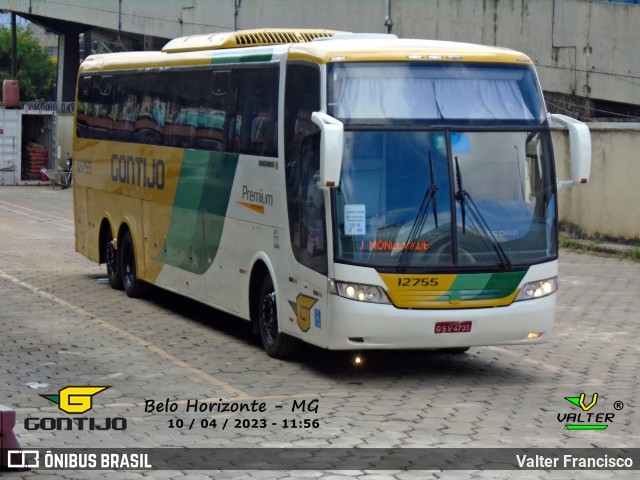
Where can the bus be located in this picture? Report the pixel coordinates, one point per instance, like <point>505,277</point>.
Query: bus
<point>349,191</point>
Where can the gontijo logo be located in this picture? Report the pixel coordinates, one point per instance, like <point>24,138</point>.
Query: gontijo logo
<point>75,399</point>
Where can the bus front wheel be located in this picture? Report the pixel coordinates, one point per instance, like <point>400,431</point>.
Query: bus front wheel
<point>277,344</point>
<point>133,286</point>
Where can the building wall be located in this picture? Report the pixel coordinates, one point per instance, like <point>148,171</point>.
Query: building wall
<point>348,15</point>
<point>581,47</point>
<point>608,204</point>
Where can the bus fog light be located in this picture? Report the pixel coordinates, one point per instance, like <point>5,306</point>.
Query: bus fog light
<point>360,293</point>
<point>357,360</point>
<point>538,289</point>
<point>534,335</point>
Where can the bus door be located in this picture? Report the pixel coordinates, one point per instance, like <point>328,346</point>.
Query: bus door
<point>307,289</point>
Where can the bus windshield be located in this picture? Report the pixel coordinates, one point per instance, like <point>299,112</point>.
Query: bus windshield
<point>475,189</point>
<point>434,93</point>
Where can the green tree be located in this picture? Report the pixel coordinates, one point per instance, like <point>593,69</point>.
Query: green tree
<point>36,71</point>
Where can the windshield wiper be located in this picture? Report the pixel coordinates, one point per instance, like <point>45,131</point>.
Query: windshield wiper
<point>466,201</point>
<point>428,203</point>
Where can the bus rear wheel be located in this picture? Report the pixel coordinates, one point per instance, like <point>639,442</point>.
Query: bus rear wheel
<point>277,344</point>
<point>133,286</point>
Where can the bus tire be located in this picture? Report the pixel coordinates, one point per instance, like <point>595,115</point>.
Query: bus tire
<point>133,286</point>
<point>276,343</point>
<point>112,261</point>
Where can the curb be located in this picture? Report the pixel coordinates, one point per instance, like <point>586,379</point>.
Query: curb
<point>602,247</point>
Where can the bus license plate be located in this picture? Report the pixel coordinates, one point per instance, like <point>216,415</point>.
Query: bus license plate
<point>453,327</point>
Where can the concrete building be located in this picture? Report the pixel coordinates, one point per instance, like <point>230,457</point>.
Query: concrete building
<point>585,50</point>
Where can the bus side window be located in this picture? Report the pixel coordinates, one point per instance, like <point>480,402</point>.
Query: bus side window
<point>149,124</point>
<point>262,127</point>
<point>183,109</point>
<point>213,112</point>
<point>102,109</point>
<point>125,109</point>
<point>256,109</point>
<point>84,106</point>
<point>305,201</point>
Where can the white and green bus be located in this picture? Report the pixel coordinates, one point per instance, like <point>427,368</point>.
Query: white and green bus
<point>350,191</point>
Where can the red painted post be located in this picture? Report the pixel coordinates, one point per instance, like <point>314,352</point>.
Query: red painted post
<point>8,439</point>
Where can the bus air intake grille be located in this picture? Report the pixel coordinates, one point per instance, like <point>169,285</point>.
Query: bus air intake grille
<point>265,38</point>
<point>245,38</point>
<point>279,37</point>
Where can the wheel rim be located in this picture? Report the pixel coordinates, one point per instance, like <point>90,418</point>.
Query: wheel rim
<point>269,318</point>
<point>110,258</point>
<point>128,273</point>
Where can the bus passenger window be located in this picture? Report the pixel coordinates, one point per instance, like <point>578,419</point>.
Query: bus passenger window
<point>257,106</point>
<point>84,107</point>
<point>101,122</point>
<point>125,109</point>
<point>210,132</point>
<point>262,132</point>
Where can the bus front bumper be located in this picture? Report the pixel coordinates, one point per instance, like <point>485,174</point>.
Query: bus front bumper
<point>358,325</point>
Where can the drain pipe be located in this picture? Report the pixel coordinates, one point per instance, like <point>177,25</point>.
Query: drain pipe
<point>388,21</point>
<point>14,46</point>
<point>235,14</point>
<point>119,15</point>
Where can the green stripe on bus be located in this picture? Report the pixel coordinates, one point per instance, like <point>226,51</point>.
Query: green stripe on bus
<point>199,209</point>
<point>483,286</point>
<point>500,285</point>
<point>223,59</point>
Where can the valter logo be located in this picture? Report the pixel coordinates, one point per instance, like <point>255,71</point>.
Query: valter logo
<point>586,419</point>
<point>75,400</point>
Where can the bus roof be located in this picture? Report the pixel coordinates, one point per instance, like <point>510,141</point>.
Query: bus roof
<point>343,49</point>
<point>318,46</point>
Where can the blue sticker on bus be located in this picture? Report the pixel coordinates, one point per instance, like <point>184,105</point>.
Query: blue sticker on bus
<point>460,143</point>
<point>318,319</point>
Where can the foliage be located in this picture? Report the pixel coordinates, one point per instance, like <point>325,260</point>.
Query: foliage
<point>36,71</point>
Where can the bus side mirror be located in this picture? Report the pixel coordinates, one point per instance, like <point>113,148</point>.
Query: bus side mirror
<point>579,148</point>
<point>331,147</point>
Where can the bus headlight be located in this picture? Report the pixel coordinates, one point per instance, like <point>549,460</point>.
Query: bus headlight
<point>538,289</point>
<point>360,293</point>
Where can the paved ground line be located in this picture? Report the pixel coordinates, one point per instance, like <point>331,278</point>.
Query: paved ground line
<point>129,336</point>
<point>11,207</point>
